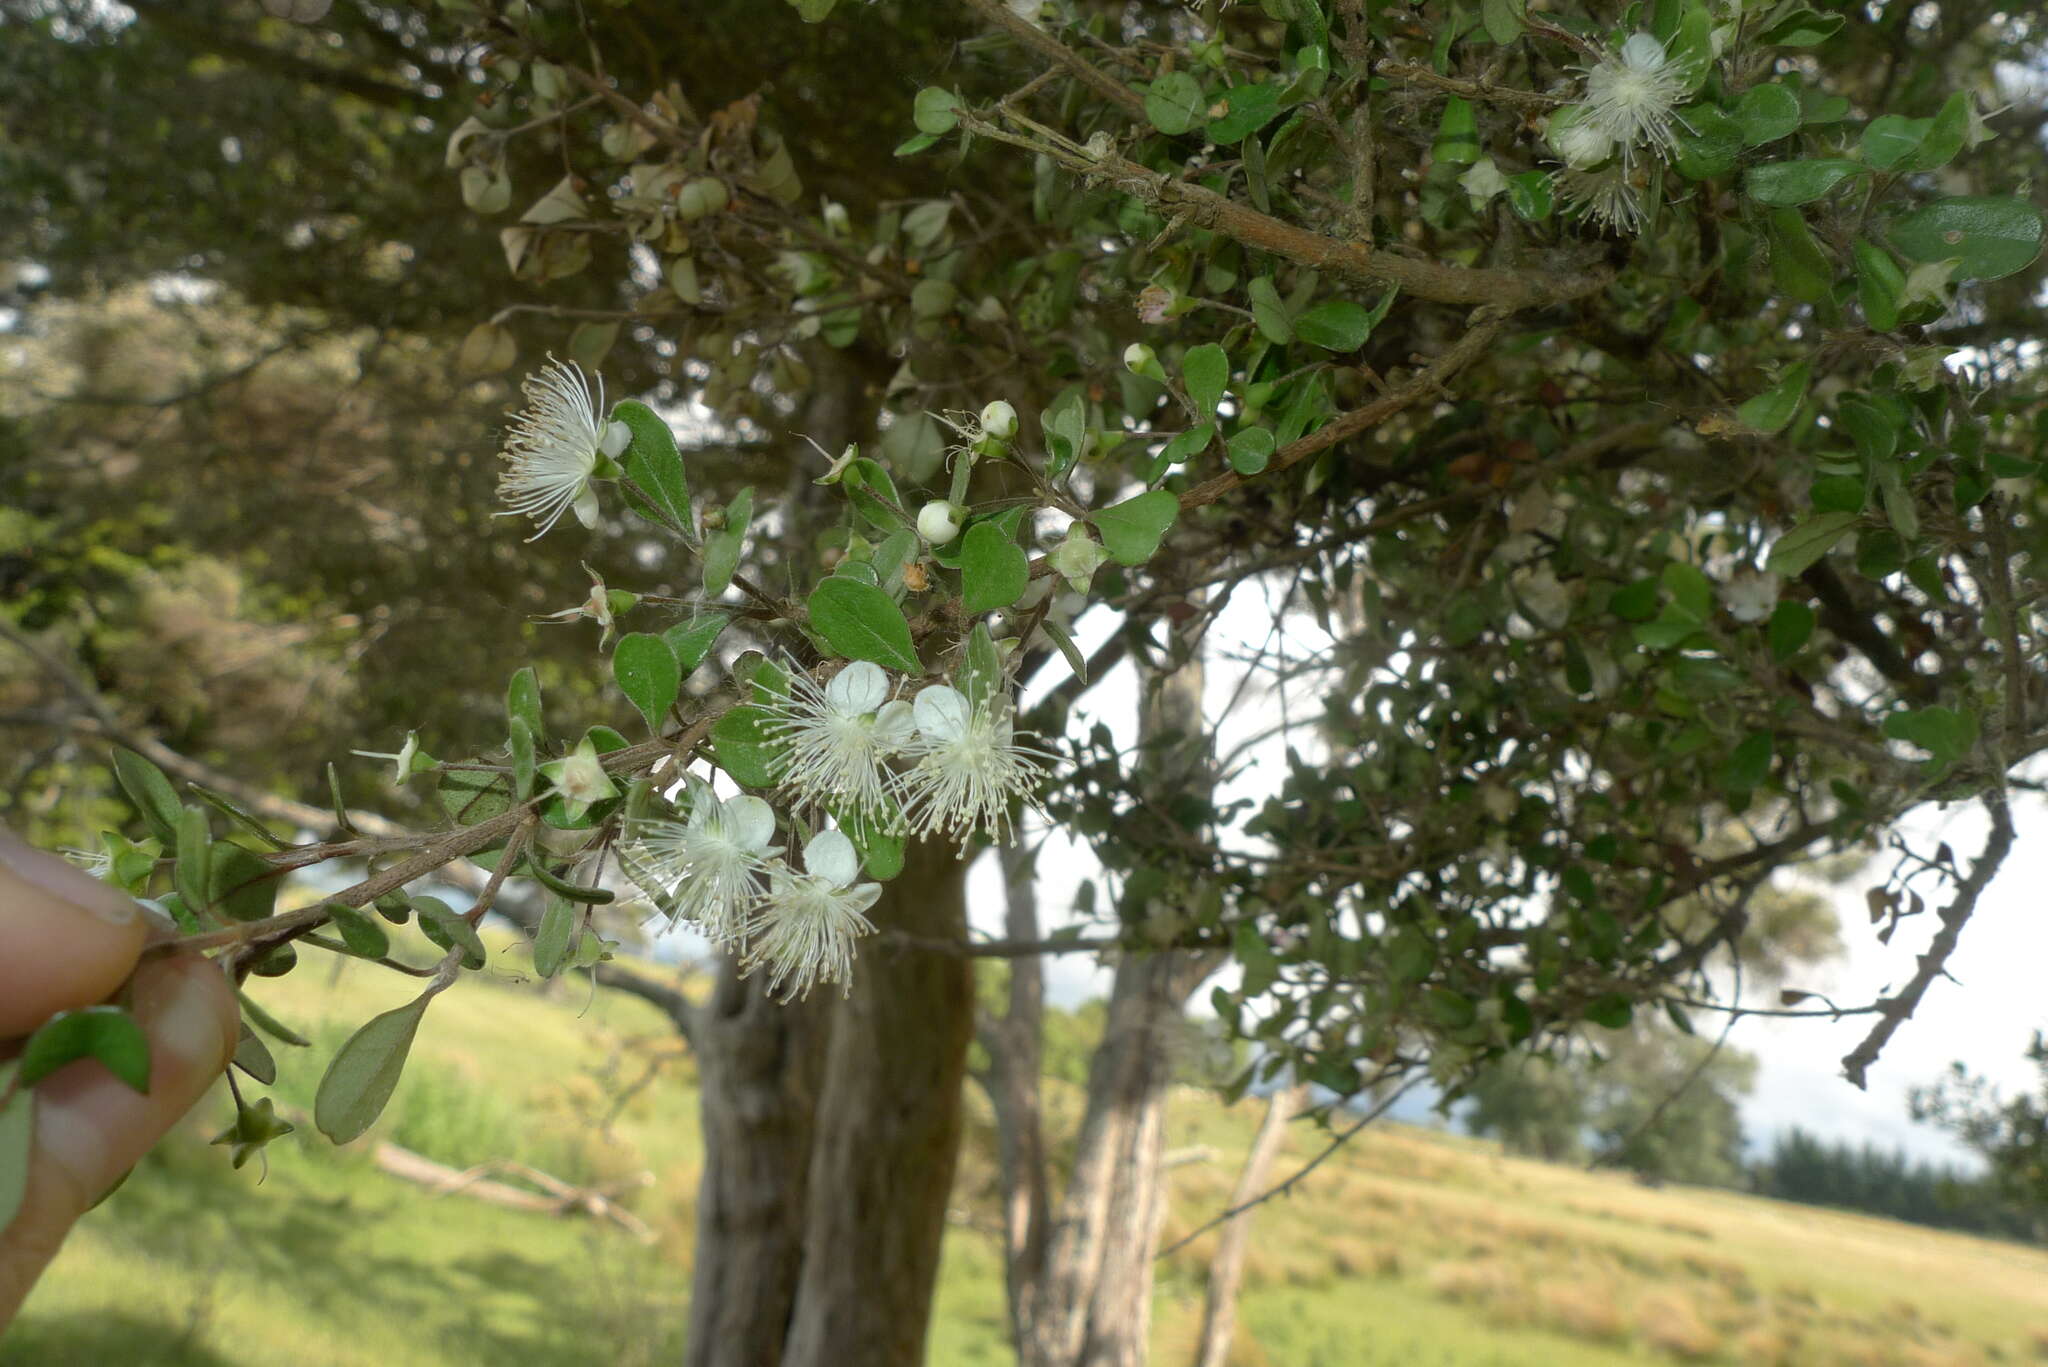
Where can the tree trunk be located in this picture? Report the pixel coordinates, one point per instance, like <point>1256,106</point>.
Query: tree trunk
<point>1226,1268</point>
<point>888,1131</point>
<point>1016,1054</point>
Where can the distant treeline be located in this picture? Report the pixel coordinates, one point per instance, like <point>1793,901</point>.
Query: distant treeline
<point>1807,1169</point>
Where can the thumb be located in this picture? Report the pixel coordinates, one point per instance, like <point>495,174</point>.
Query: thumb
<point>90,1127</point>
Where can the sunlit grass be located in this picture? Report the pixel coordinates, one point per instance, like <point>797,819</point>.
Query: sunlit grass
<point>1408,1248</point>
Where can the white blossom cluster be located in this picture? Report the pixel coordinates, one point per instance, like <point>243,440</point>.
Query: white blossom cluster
<point>1626,121</point>
<point>938,765</point>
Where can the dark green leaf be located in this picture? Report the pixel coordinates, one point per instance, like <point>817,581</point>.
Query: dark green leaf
<point>1248,108</point>
<point>994,570</point>
<point>748,748</point>
<point>521,742</point>
<point>1175,103</point>
<point>1749,764</point>
<point>1806,543</point>
<point>473,796</point>
<point>861,622</point>
<point>1613,1011</point>
<point>1269,313</point>
<point>723,548</point>
<point>1530,196</point>
<point>1784,183</point>
<point>551,941</point>
<point>363,936</point>
<point>154,797</point>
<point>692,640</point>
<point>1990,237</point>
<point>17,1143</point>
<point>1879,285</point>
<point>1189,443</point>
<point>654,464</point>
<point>1709,144</point>
<point>1205,370</point>
<point>1771,410</point>
<point>1335,325</point>
<point>1250,449</point>
<point>1457,135</point>
<point>1766,113</point>
<point>1790,629</point>
<point>1132,530</point>
<point>1801,28</point>
<point>365,1070</point>
<point>646,670</point>
<point>935,111</point>
<point>253,1057</point>
<point>106,1033</point>
<point>1798,264</point>
<point>188,875</point>
<point>1945,135</point>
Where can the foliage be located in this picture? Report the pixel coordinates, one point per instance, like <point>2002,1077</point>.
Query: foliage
<point>1801,1167</point>
<point>2011,1133</point>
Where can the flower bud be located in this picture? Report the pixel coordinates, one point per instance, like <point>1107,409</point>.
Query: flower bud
<point>1140,359</point>
<point>1076,558</point>
<point>999,420</point>
<point>939,522</point>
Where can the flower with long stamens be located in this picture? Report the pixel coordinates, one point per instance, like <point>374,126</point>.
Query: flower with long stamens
<point>1606,198</point>
<point>554,448</point>
<point>1632,97</point>
<point>705,870</point>
<point>969,766</point>
<point>803,932</point>
<point>840,739</point>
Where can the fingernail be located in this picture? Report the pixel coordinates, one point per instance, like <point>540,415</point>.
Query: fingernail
<point>182,1017</point>
<point>57,876</point>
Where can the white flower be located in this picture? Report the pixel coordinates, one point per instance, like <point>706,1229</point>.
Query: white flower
<point>969,766</point>
<point>579,779</point>
<point>1750,595</point>
<point>1606,198</point>
<point>554,448</point>
<point>598,607</point>
<point>1632,96</point>
<point>99,863</point>
<point>999,420</point>
<point>1577,140</point>
<point>804,931</point>
<point>938,522</point>
<point>840,740</point>
<point>704,870</point>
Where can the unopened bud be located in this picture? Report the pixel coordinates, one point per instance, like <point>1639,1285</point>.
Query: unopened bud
<point>939,522</point>
<point>999,420</point>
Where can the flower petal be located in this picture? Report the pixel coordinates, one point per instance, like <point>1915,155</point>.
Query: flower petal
<point>750,822</point>
<point>893,725</point>
<point>585,507</point>
<point>942,713</point>
<point>858,689</point>
<point>830,856</point>
<point>617,438</point>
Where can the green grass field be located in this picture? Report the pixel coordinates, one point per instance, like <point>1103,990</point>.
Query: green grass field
<point>1408,1248</point>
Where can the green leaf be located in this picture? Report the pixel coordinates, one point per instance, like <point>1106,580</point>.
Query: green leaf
<point>1691,590</point>
<point>1250,449</point>
<point>1749,764</point>
<point>1785,183</point>
<point>449,929</point>
<point>1269,314</point>
<point>1076,661</point>
<point>1801,28</point>
<point>1798,265</point>
<point>935,111</point>
<point>994,570</point>
<point>915,143</point>
<point>1189,443</point>
<point>253,1057</point>
<point>1248,108</point>
<point>813,11</point>
<point>1335,325</point>
<point>561,887</point>
<point>1875,432</point>
<point>1612,1010</point>
<point>473,796</point>
<point>1205,370</point>
<point>1880,285</point>
<point>1710,144</point>
<point>1990,237</point>
<point>364,1071</point>
<point>1529,195</point>
<point>1944,137</point>
<point>1943,732</point>
<point>1890,139</point>
<point>551,941</point>
<point>522,747</point>
<point>748,747</point>
<point>981,667</point>
<point>363,936</point>
<point>1790,629</point>
<point>1766,113</point>
<point>1771,410</point>
<point>1132,530</point>
<point>861,622</point>
<point>692,640</point>
<point>154,797</point>
<point>1838,494</point>
<point>1255,956</point>
<point>106,1033</point>
<point>722,548</point>
<point>1457,135</point>
<point>17,1143</point>
<point>194,842</point>
<point>271,1025</point>
<point>1502,19</point>
<point>1806,543</point>
<point>646,670</point>
<point>522,700</point>
<point>654,463</point>
<point>1175,103</point>
<point>240,884</point>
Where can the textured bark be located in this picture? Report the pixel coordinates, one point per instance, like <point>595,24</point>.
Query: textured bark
<point>760,1066</point>
<point>888,1132</point>
<point>1015,1047</point>
<point>1226,1268</point>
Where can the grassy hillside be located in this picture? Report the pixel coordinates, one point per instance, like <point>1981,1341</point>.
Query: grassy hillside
<point>1409,1248</point>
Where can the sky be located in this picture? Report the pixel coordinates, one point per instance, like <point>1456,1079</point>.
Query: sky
<point>1986,1017</point>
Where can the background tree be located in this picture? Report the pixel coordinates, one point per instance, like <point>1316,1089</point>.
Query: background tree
<point>1582,380</point>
